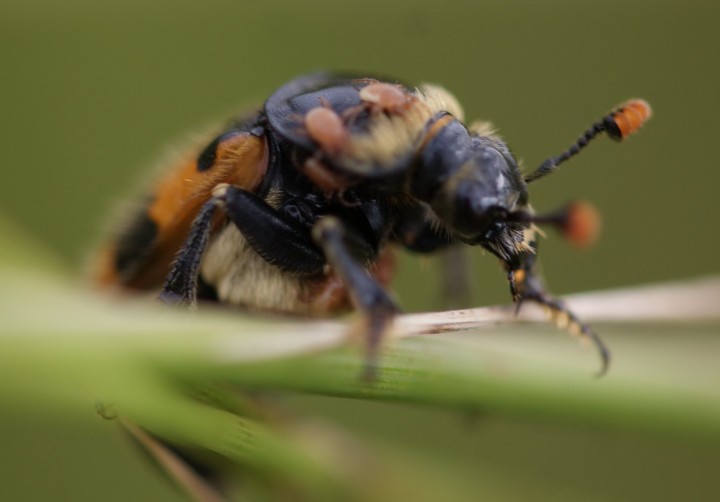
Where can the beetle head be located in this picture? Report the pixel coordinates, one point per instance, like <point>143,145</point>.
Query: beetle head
<point>476,197</point>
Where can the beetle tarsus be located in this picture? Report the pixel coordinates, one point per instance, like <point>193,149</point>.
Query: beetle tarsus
<point>367,294</point>
<point>566,320</point>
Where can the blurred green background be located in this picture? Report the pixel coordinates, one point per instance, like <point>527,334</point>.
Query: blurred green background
<point>92,92</point>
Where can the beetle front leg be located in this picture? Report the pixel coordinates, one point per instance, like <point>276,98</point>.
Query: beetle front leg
<point>526,283</point>
<point>366,293</point>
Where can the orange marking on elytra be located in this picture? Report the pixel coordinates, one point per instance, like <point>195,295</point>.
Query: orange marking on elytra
<point>104,270</point>
<point>241,161</point>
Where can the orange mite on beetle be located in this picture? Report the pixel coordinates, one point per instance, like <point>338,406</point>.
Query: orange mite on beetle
<point>387,97</point>
<point>301,216</point>
<point>326,128</point>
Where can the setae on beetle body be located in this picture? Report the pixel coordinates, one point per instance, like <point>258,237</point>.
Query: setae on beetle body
<point>295,208</point>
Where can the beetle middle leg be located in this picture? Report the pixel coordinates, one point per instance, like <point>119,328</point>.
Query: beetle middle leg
<point>418,232</point>
<point>366,293</point>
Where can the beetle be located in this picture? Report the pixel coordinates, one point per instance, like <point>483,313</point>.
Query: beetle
<point>295,207</point>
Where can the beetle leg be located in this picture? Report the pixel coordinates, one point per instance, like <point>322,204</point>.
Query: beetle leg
<point>280,239</point>
<point>366,293</point>
<point>419,234</point>
<point>181,283</point>
<point>457,286</point>
<point>526,284</point>
<point>261,225</point>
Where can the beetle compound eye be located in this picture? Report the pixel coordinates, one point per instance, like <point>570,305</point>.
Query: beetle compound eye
<point>628,119</point>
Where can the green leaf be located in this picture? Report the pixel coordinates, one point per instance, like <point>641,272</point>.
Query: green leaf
<point>185,377</point>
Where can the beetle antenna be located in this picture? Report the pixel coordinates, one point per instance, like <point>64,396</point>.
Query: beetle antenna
<point>578,221</point>
<point>618,124</point>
